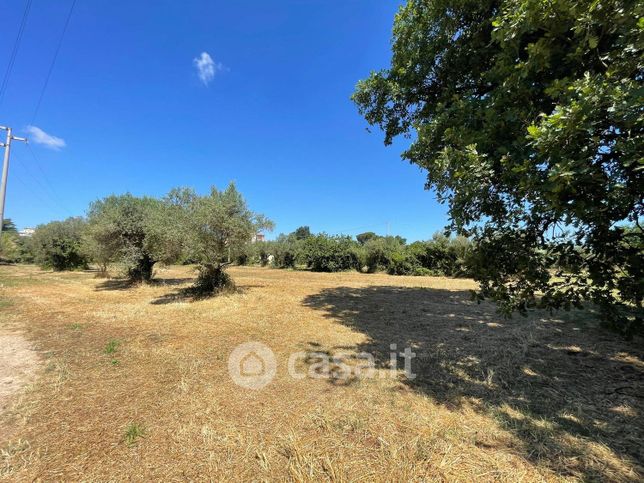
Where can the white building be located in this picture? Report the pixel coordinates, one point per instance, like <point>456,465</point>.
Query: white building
<point>26,232</point>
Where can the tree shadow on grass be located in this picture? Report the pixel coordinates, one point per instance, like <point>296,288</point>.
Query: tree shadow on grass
<point>125,284</point>
<point>564,387</point>
<point>115,284</point>
<point>190,294</point>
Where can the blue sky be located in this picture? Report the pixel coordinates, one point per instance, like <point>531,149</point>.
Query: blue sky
<point>271,110</point>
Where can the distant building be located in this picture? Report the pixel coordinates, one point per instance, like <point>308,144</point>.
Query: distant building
<point>26,232</point>
<point>258,237</point>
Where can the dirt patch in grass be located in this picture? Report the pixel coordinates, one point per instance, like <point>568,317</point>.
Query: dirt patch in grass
<point>542,398</point>
<point>18,364</point>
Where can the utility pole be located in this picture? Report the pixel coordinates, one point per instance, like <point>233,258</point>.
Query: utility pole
<point>5,170</point>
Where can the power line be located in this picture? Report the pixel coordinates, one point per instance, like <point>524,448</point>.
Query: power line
<point>53,62</point>
<point>47,187</point>
<point>14,52</point>
<point>28,188</point>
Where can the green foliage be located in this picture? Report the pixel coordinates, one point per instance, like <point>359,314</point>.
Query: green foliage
<point>365,237</point>
<point>302,233</point>
<point>440,256</point>
<point>26,249</point>
<point>262,250</point>
<point>215,230</point>
<point>324,253</point>
<point>286,250</point>
<point>131,231</point>
<point>243,258</point>
<point>10,250</point>
<point>133,432</point>
<point>403,263</point>
<point>111,346</point>
<point>58,244</point>
<point>380,251</point>
<point>527,116</point>
<point>8,226</point>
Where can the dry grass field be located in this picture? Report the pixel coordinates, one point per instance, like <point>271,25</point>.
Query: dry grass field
<point>133,383</point>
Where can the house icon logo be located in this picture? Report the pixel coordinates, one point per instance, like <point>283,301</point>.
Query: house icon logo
<point>252,365</point>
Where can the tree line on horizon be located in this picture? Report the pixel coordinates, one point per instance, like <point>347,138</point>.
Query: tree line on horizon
<point>135,233</point>
<point>368,252</point>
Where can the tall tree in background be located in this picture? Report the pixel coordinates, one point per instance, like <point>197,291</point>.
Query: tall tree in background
<point>9,226</point>
<point>528,117</point>
<point>302,233</point>
<point>365,237</point>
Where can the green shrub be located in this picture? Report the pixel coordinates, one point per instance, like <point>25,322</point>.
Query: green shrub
<point>422,272</point>
<point>285,251</point>
<point>9,247</point>
<point>443,255</point>
<point>324,253</point>
<point>379,253</point>
<point>262,251</point>
<point>402,263</point>
<point>59,244</point>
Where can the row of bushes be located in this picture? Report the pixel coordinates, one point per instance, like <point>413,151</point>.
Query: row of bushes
<point>441,255</point>
<point>59,245</point>
<point>15,249</point>
<point>65,244</point>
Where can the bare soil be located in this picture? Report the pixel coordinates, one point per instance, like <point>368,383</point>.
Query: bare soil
<point>18,364</point>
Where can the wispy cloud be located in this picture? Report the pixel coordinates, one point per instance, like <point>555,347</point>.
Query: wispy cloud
<point>207,68</point>
<point>39,136</point>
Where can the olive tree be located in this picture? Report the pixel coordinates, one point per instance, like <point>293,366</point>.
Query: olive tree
<point>216,228</point>
<point>131,231</point>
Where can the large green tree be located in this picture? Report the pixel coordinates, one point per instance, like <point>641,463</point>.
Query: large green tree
<point>528,117</point>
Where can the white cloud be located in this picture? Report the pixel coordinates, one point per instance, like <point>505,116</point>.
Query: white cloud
<point>207,68</point>
<point>39,136</point>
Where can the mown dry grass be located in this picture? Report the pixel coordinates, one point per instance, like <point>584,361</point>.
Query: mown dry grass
<point>135,384</point>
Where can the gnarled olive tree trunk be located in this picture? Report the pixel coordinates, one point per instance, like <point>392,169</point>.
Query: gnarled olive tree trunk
<point>143,270</point>
<point>213,279</point>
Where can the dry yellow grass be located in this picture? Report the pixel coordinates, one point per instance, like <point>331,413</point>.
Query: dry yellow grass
<point>523,400</point>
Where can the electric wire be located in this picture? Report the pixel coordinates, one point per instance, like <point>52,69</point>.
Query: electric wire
<point>45,188</point>
<point>53,62</point>
<point>14,51</point>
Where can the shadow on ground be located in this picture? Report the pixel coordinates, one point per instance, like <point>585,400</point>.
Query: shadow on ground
<point>558,384</point>
<point>189,294</point>
<point>124,283</point>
